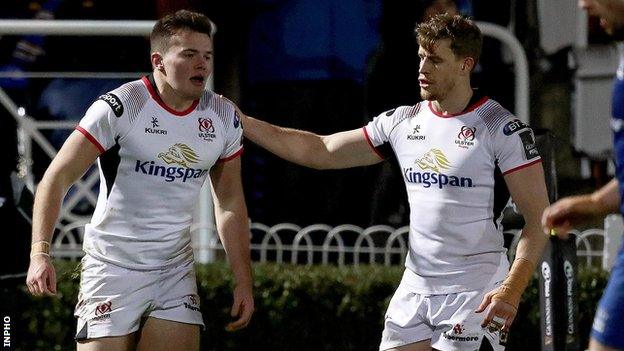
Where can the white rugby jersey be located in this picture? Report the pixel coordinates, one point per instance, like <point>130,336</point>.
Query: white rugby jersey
<point>452,167</point>
<point>153,163</point>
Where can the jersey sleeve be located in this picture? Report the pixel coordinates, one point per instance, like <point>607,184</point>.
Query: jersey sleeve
<point>98,125</point>
<point>233,135</point>
<point>378,131</point>
<point>107,120</point>
<point>514,145</point>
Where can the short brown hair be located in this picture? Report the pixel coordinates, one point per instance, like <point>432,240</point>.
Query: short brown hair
<point>466,38</point>
<point>171,24</point>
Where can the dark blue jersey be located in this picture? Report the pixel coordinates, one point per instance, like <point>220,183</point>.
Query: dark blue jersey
<point>617,124</point>
<point>609,318</point>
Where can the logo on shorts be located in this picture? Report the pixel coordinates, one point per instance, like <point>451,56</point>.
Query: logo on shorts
<point>466,137</point>
<point>192,303</point>
<point>103,310</point>
<point>457,333</point>
<point>458,328</point>
<point>470,338</point>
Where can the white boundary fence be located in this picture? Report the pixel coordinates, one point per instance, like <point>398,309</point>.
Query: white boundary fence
<point>285,242</point>
<point>348,244</point>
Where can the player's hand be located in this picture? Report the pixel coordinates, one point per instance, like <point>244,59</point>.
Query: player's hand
<point>41,278</point>
<point>242,308</point>
<point>500,314</point>
<point>564,214</point>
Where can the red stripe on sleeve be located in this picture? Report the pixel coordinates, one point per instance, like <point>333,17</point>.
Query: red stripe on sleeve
<point>238,153</point>
<point>371,144</point>
<point>92,139</point>
<point>523,166</point>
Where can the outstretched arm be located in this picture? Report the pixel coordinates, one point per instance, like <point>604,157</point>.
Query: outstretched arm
<point>564,214</point>
<point>71,162</point>
<point>528,190</point>
<point>340,150</point>
<point>233,228</point>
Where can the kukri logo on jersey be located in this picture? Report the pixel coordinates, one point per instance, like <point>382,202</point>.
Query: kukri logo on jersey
<point>154,129</point>
<point>415,135</point>
<point>181,157</point>
<point>432,166</point>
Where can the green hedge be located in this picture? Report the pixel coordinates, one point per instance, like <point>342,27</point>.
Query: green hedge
<point>297,308</point>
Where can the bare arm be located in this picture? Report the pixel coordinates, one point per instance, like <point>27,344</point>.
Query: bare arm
<point>570,211</point>
<point>71,162</point>
<point>340,150</point>
<point>233,228</point>
<point>528,190</point>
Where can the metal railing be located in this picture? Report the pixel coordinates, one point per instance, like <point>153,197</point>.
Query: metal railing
<point>341,245</point>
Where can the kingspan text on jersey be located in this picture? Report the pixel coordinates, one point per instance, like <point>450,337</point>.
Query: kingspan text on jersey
<point>169,173</point>
<point>440,179</point>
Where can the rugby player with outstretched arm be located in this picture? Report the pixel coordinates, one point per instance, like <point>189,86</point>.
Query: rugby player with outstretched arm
<point>455,148</point>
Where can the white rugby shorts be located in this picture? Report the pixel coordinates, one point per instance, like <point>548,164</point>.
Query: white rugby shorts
<point>113,301</point>
<point>449,320</point>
